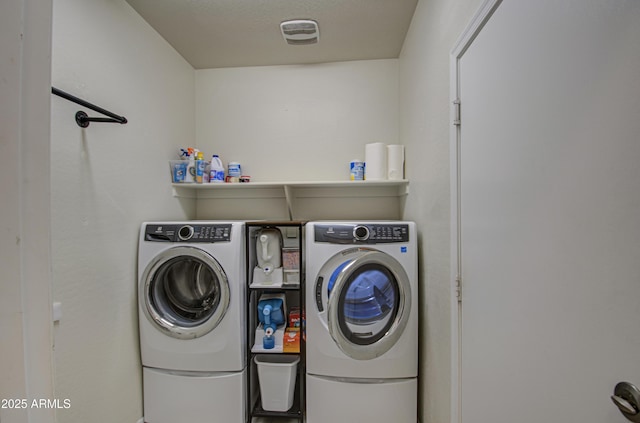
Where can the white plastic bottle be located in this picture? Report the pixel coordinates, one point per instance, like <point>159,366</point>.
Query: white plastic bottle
<point>217,170</point>
<point>190,175</point>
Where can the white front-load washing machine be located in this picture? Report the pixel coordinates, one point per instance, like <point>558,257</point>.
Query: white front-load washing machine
<point>361,321</point>
<point>191,313</point>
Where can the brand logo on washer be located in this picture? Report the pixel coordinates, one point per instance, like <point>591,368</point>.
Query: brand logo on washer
<point>403,249</point>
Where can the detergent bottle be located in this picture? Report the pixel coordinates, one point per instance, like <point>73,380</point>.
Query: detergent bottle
<point>269,256</point>
<point>271,313</point>
<point>217,170</point>
<point>200,164</point>
<point>190,176</point>
<point>268,342</point>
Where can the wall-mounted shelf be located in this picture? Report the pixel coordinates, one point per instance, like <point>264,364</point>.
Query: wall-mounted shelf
<point>385,188</point>
<point>293,190</point>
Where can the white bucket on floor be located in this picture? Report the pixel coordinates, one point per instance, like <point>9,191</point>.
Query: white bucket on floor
<point>277,377</point>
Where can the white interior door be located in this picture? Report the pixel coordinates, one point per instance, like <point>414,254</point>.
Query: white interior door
<point>549,211</point>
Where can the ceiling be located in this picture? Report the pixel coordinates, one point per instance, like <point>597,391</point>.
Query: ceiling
<point>232,33</point>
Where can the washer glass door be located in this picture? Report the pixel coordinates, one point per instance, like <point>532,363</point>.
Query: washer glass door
<point>368,302</point>
<point>186,292</point>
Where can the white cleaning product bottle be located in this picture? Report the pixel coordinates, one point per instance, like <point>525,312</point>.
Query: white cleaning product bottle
<point>190,176</point>
<point>217,169</point>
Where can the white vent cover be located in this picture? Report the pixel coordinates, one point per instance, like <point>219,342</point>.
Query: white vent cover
<point>300,31</point>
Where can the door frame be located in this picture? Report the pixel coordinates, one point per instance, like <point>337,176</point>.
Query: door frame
<point>468,36</point>
<point>25,292</point>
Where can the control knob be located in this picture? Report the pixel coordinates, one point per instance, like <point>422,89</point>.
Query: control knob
<point>361,233</point>
<point>186,232</point>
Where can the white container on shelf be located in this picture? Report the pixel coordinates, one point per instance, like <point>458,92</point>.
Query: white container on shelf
<point>277,378</point>
<point>216,174</point>
<point>395,162</point>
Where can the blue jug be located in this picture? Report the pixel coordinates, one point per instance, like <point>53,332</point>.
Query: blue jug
<point>271,314</point>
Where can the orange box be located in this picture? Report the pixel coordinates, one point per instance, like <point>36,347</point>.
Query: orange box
<point>291,340</point>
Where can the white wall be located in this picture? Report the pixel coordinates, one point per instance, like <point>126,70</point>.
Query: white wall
<point>295,123</point>
<point>424,129</point>
<point>25,257</point>
<point>105,180</point>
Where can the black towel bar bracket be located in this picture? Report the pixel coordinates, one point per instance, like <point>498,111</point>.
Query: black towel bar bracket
<point>81,117</point>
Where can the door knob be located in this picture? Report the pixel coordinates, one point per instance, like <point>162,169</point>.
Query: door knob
<point>624,405</point>
<point>627,398</point>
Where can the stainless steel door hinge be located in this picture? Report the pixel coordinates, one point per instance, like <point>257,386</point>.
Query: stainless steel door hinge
<point>459,288</point>
<point>456,115</point>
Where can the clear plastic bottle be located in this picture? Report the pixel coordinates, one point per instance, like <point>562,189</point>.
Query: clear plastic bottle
<point>217,170</point>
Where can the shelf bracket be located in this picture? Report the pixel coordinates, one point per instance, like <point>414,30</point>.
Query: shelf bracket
<point>289,198</point>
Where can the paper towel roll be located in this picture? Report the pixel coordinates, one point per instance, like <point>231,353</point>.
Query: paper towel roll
<point>395,161</point>
<point>375,159</point>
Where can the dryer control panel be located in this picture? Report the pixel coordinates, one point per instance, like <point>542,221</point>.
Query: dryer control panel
<point>362,233</point>
<point>188,233</point>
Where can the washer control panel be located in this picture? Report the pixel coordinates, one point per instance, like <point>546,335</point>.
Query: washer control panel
<point>378,233</point>
<point>188,233</point>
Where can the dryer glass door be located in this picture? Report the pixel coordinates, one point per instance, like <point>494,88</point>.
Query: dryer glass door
<point>368,305</point>
<point>186,292</point>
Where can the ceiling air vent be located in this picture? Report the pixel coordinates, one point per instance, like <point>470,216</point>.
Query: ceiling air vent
<point>300,31</point>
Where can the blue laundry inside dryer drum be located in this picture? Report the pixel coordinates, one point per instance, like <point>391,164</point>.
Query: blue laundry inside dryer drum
<point>370,295</point>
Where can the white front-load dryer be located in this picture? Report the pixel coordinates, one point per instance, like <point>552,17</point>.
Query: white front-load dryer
<point>191,313</point>
<point>361,321</point>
